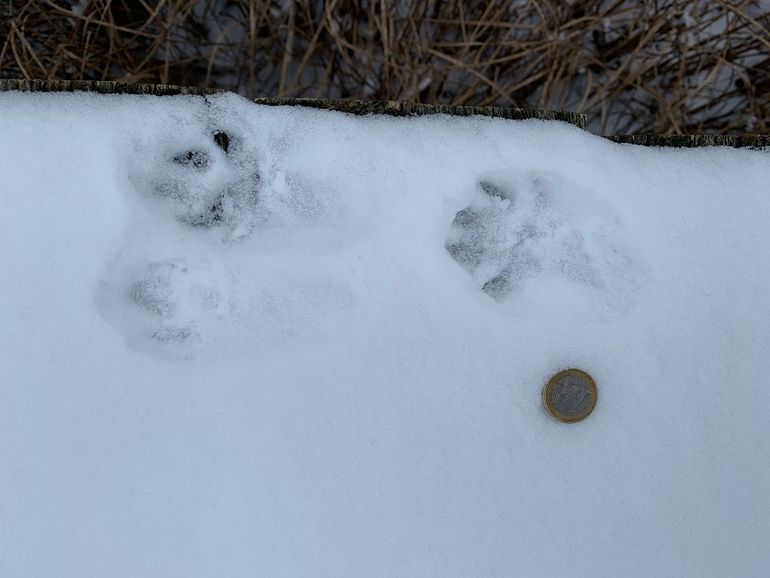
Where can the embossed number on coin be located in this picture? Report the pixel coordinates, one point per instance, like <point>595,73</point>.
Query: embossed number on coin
<point>570,395</point>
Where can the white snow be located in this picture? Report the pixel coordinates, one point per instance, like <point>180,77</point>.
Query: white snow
<point>321,354</point>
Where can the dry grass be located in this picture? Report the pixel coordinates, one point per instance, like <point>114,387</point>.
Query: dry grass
<point>647,66</point>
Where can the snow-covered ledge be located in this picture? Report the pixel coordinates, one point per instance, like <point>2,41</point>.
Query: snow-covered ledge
<point>242,340</point>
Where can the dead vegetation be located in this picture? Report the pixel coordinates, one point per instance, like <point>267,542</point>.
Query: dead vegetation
<point>647,66</point>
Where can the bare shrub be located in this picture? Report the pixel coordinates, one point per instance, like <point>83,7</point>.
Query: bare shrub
<point>647,66</point>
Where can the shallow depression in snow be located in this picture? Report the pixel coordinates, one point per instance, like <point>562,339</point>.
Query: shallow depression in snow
<point>194,274</point>
<point>526,226</point>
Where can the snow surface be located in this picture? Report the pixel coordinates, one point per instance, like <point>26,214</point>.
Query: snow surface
<point>321,354</point>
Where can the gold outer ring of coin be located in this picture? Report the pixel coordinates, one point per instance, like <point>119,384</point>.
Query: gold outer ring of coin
<point>548,391</point>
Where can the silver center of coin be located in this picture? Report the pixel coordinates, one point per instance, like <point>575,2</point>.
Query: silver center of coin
<point>571,395</point>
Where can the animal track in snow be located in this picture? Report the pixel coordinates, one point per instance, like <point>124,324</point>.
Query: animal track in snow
<point>535,228</point>
<point>226,185</point>
<point>180,284</point>
<point>179,307</point>
<point>214,185</point>
<point>175,293</point>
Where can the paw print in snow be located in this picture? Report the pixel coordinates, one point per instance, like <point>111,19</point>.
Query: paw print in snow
<point>179,286</point>
<point>213,186</point>
<point>533,227</point>
<point>174,297</point>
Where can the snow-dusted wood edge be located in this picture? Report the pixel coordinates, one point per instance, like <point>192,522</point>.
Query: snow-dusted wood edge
<point>396,108</point>
<point>753,141</point>
<point>100,86</point>
<point>391,108</point>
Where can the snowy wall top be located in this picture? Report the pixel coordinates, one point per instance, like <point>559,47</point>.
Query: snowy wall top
<point>242,340</point>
